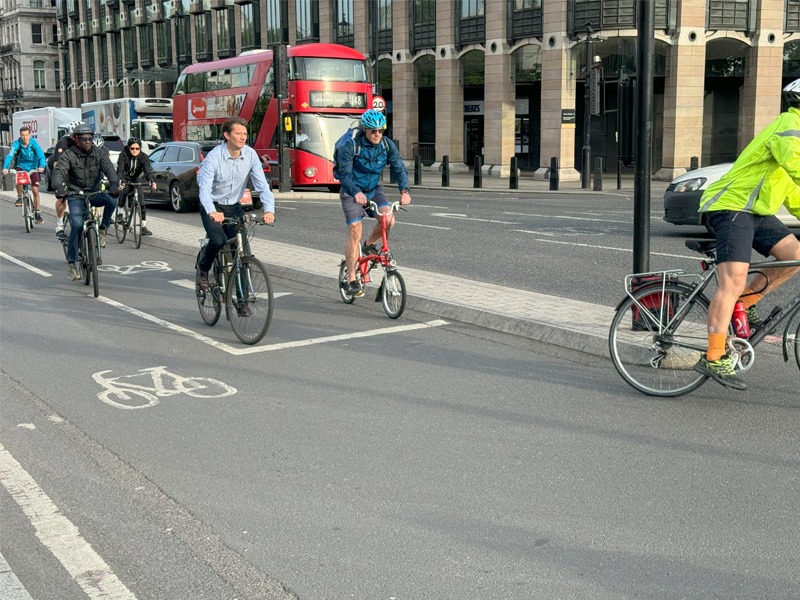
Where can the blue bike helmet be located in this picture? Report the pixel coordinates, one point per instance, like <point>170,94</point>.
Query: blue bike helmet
<point>373,119</point>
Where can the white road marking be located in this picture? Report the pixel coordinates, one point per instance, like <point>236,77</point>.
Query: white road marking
<point>516,214</point>
<point>464,217</point>
<point>10,586</point>
<point>256,349</point>
<point>59,535</point>
<point>628,250</point>
<point>16,261</point>
<point>189,285</point>
<point>423,225</point>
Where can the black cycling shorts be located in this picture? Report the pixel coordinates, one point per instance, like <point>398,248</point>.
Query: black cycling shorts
<point>739,233</point>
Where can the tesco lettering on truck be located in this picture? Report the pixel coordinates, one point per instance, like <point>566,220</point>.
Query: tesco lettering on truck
<point>47,124</point>
<point>149,119</point>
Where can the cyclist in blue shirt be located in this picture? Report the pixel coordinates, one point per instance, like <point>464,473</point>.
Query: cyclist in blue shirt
<point>358,168</point>
<point>27,155</point>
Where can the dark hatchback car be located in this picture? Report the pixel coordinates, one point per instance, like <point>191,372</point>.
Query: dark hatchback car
<point>175,166</point>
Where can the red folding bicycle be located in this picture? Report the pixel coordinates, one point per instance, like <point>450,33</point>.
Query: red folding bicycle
<point>392,291</point>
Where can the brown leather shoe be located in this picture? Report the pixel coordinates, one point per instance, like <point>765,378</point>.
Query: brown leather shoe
<point>201,280</point>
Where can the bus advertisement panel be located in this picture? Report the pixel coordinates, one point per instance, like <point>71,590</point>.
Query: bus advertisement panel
<point>329,88</point>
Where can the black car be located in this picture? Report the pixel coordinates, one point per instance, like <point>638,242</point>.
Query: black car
<point>175,166</point>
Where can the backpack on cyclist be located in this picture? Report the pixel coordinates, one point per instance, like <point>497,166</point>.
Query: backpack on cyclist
<point>350,137</point>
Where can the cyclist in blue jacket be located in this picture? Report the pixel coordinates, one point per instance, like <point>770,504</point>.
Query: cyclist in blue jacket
<point>359,166</point>
<point>27,155</point>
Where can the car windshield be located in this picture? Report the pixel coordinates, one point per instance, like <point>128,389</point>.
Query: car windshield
<point>156,132</point>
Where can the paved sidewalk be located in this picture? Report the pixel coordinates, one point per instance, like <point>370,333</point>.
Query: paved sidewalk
<point>563,322</point>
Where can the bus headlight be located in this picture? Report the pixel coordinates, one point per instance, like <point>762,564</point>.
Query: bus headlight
<point>310,172</point>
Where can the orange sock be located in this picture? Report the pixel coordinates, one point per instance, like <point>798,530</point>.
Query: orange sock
<point>749,298</point>
<point>716,346</point>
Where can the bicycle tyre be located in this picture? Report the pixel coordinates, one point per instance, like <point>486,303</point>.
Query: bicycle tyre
<point>347,297</point>
<point>136,224</point>
<point>393,293</point>
<point>121,229</point>
<point>659,364</point>
<point>92,250</point>
<point>27,215</point>
<point>209,302</point>
<point>67,228</point>
<point>249,291</point>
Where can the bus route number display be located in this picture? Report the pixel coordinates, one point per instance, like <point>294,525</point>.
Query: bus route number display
<point>333,99</point>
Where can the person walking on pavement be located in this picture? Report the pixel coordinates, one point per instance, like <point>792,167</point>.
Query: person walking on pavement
<point>741,207</point>
<point>27,155</point>
<point>81,166</point>
<point>222,179</point>
<point>359,164</point>
<point>132,163</point>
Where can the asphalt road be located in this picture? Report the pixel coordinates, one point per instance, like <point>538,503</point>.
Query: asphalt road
<point>435,461</point>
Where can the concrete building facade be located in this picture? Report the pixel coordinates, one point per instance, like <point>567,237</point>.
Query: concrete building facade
<point>493,79</point>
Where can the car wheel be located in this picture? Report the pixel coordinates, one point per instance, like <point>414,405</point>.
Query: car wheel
<point>179,204</point>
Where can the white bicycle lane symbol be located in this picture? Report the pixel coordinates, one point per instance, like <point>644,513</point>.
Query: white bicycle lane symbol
<point>122,392</point>
<point>143,267</point>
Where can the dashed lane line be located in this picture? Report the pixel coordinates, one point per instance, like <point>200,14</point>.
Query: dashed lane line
<point>16,261</point>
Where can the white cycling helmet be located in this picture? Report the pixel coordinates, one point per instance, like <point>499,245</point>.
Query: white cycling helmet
<point>791,93</point>
<point>73,124</point>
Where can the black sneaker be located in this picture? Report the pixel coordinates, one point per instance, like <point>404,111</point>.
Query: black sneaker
<point>721,371</point>
<point>18,202</point>
<point>355,289</point>
<point>146,231</point>
<point>369,250</point>
<point>38,218</point>
<point>61,235</point>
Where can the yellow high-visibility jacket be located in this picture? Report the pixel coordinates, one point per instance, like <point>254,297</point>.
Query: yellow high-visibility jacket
<point>765,176</point>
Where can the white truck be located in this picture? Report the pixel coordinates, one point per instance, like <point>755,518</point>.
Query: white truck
<point>149,119</point>
<point>47,124</point>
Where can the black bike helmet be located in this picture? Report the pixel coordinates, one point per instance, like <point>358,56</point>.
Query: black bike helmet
<point>791,93</point>
<point>83,129</point>
<point>133,140</point>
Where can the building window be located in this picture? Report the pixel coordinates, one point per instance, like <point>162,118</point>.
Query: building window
<point>146,46</point>
<point>307,14</point>
<point>57,73</point>
<point>277,23</point>
<point>226,34</point>
<point>183,42</point>
<point>202,36</point>
<point>344,22</point>
<point>423,31</point>
<point>36,33</point>
<point>251,27</point>
<point>472,8</point>
<point>384,25</point>
<point>55,34</point>
<point>38,75</point>
<point>163,44</point>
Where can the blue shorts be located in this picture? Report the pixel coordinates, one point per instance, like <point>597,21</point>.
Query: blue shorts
<point>739,233</point>
<point>354,212</point>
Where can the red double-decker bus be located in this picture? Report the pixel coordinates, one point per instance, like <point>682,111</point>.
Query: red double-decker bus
<point>329,88</point>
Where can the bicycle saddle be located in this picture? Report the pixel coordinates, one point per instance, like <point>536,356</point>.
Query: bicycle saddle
<point>706,247</point>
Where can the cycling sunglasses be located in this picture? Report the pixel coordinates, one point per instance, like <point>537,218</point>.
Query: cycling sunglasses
<point>85,138</point>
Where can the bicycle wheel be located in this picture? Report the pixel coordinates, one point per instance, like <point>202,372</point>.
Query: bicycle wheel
<point>202,387</point>
<point>67,228</point>
<point>121,229</point>
<point>136,224</point>
<point>393,293</point>
<point>347,297</point>
<point>654,354</point>
<point>248,300</point>
<point>27,212</point>
<point>92,257</point>
<point>209,302</point>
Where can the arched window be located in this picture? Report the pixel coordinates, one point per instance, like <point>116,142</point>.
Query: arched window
<point>38,75</point>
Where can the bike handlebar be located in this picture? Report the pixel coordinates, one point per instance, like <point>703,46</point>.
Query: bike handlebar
<point>31,172</point>
<point>249,218</point>
<point>395,206</point>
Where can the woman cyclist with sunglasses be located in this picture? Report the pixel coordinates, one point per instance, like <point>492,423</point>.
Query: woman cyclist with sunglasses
<point>132,163</point>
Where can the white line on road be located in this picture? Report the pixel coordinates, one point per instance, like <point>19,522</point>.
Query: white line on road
<point>59,535</point>
<point>516,214</point>
<point>256,349</point>
<point>422,225</point>
<point>602,247</point>
<point>26,265</point>
<point>463,217</point>
<point>11,587</point>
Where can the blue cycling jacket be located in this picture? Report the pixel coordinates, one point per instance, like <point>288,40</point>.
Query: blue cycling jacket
<point>27,158</point>
<point>362,173</point>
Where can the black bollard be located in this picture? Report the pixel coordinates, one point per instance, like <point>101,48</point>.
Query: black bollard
<point>598,173</point>
<point>417,170</point>
<point>445,171</point>
<point>513,182</point>
<point>694,163</point>
<point>554,173</point>
<point>619,173</point>
<point>478,179</point>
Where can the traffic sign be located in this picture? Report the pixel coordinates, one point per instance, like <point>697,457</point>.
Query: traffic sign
<point>378,103</point>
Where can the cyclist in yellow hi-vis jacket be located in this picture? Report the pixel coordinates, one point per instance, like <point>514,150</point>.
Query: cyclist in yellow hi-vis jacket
<point>741,209</point>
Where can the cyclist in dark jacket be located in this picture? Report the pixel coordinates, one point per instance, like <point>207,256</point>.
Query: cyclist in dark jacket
<point>82,167</point>
<point>64,143</point>
<point>132,163</point>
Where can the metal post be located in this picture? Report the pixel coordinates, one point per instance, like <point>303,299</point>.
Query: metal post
<point>478,174</point>
<point>598,174</point>
<point>513,182</point>
<point>644,134</point>
<point>694,163</point>
<point>554,176</point>
<point>445,171</point>
<point>619,173</point>
<point>586,151</point>
<point>417,170</point>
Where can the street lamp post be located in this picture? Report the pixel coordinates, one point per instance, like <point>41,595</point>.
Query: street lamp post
<point>586,151</point>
